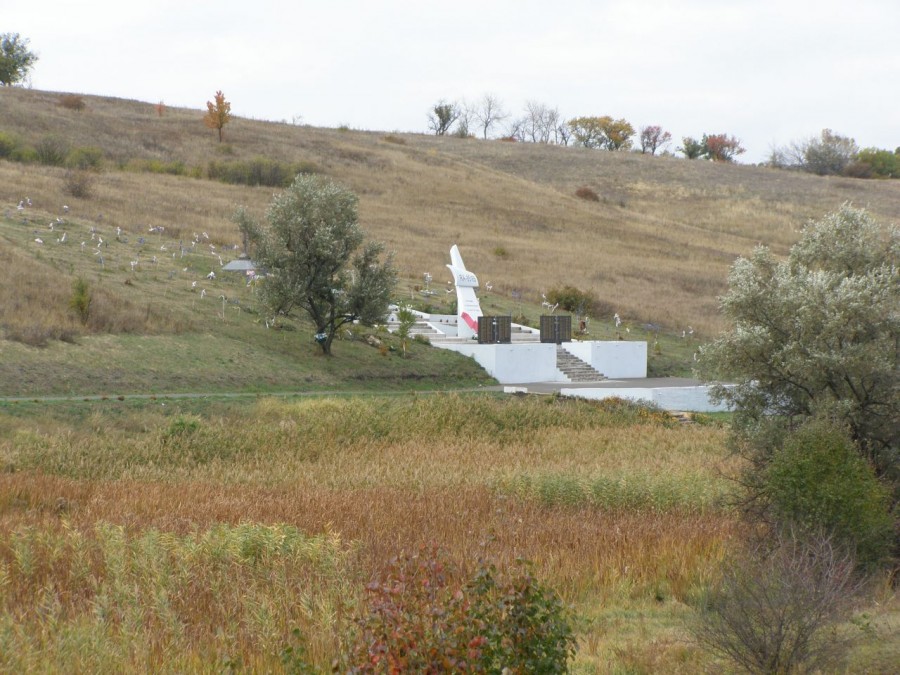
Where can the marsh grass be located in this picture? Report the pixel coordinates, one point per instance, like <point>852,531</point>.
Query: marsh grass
<point>140,486</point>
<point>415,442</point>
<point>107,598</point>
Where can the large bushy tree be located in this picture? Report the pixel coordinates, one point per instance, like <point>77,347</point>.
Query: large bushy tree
<point>602,132</point>
<point>317,258</point>
<point>15,58</point>
<point>816,335</point>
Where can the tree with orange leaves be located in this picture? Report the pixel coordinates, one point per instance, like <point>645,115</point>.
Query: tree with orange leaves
<point>218,113</point>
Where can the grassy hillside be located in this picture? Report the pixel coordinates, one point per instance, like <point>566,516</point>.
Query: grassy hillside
<point>655,247</point>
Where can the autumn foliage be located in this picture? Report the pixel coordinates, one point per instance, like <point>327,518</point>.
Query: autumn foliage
<point>722,147</point>
<point>422,617</point>
<point>218,113</point>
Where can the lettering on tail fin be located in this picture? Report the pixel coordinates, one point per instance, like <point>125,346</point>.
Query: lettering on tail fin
<point>468,309</point>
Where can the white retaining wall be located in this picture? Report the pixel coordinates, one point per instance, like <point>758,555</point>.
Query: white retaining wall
<point>689,399</point>
<point>518,363</point>
<point>614,359</point>
<point>513,363</point>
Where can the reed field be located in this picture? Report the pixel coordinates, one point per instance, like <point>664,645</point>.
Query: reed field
<point>203,535</point>
<point>186,488</point>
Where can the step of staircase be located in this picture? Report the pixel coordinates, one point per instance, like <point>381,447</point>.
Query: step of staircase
<point>576,369</point>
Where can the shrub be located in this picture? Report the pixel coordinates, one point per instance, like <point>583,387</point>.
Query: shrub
<point>587,194</point>
<point>52,150</point>
<point>78,183</point>
<point>8,145</point>
<point>182,425</point>
<point>80,301</point>
<point>881,163</point>
<point>573,299</point>
<point>72,102</point>
<point>406,319</point>
<point>173,168</point>
<point>258,171</point>
<point>524,626</point>
<point>501,252</point>
<point>422,618</point>
<point>770,612</point>
<point>85,158</point>
<point>24,154</point>
<point>397,140</point>
<point>818,480</point>
<point>858,170</point>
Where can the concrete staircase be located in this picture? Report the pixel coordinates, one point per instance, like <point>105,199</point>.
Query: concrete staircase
<point>574,368</point>
<point>422,328</point>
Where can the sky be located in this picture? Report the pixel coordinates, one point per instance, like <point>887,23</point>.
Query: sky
<point>768,72</point>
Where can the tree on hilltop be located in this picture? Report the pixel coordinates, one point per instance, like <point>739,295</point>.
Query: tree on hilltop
<point>489,112</point>
<point>603,132</point>
<point>218,113</point>
<point>442,117</point>
<point>15,59</point>
<point>721,147</point>
<point>654,138</point>
<point>827,154</point>
<point>691,148</point>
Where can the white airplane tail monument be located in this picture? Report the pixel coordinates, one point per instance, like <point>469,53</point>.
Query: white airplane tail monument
<point>467,307</point>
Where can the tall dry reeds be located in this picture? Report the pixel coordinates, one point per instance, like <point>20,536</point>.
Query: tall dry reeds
<point>203,534</point>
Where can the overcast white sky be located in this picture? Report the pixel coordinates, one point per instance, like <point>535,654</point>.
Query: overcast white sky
<point>767,71</point>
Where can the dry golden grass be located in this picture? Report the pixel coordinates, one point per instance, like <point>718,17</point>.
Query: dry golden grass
<point>35,304</point>
<point>657,245</point>
<point>590,557</point>
<point>583,550</point>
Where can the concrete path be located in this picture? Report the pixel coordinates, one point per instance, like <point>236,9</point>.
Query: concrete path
<point>631,383</point>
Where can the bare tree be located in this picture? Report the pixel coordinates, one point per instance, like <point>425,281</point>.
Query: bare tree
<point>540,122</point>
<point>466,116</point>
<point>770,612</point>
<point>489,112</point>
<point>516,129</point>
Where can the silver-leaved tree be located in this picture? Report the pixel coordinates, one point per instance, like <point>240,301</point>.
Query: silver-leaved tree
<point>816,336</point>
<point>317,259</point>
